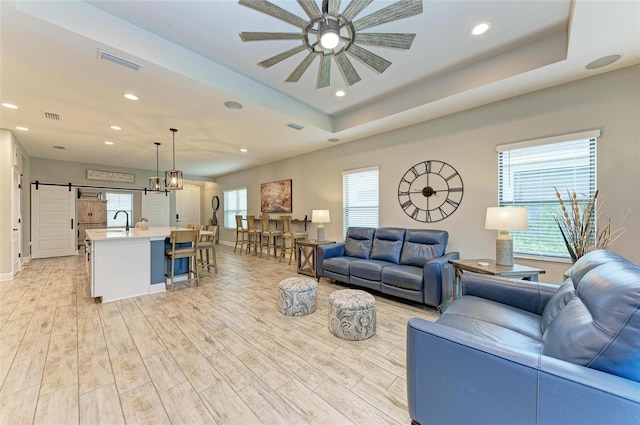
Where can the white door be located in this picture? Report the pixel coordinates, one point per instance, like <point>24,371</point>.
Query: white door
<point>16,223</point>
<point>155,208</point>
<point>188,205</point>
<point>53,227</point>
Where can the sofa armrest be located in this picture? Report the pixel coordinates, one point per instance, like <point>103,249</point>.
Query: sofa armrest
<point>438,278</point>
<point>328,251</point>
<point>457,377</point>
<point>522,294</point>
<point>454,377</point>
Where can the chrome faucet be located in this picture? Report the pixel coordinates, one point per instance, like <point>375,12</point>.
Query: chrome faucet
<point>116,216</point>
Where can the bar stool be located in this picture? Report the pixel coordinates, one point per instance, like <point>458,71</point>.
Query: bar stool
<point>288,234</point>
<point>179,249</point>
<point>253,235</point>
<point>241,232</point>
<point>268,235</point>
<point>207,244</point>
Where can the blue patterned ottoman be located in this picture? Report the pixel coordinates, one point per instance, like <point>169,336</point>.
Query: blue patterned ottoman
<point>352,314</point>
<point>298,296</point>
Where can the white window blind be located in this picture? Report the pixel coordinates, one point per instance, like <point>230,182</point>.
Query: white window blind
<point>235,203</point>
<point>360,198</point>
<point>117,202</point>
<point>527,175</point>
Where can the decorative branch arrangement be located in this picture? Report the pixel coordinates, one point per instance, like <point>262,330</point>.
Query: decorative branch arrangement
<point>577,226</point>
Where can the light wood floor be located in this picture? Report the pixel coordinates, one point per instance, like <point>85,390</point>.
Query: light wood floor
<point>217,354</point>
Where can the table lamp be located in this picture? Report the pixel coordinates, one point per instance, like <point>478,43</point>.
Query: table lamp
<point>320,217</point>
<point>505,219</point>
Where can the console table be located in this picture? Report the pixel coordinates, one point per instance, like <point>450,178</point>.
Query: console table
<point>515,271</point>
<point>307,256</point>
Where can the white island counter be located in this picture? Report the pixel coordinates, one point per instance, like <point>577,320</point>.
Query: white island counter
<point>123,264</point>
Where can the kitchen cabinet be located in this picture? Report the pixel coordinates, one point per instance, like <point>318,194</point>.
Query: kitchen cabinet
<point>90,214</point>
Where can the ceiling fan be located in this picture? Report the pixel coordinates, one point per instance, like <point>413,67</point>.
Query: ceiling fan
<point>328,33</point>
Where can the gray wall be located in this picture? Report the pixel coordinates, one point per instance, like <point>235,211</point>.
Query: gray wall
<point>467,140</point>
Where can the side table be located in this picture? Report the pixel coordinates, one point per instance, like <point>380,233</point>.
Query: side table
<point>515,271</point>
<point>307,256</point>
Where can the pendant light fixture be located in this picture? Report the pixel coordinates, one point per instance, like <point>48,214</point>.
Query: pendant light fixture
<point>173,178</point>
<point>156,183</point>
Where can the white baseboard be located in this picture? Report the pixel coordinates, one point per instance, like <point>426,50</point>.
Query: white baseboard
<point>157,288</point>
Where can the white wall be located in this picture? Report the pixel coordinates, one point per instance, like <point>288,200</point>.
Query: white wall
<point>467,141</point>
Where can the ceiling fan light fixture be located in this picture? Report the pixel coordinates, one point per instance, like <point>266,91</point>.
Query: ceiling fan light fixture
<point>329,34</point>
<point>173,178</point>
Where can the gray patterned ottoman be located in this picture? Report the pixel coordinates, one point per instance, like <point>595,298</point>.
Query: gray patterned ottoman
<point>352,314</point>
<point>298,296</point>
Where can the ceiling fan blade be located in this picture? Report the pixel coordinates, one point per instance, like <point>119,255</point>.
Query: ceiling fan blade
<point>334,7</point>
<point>369,58</point>
<point>354,8</point>
<point>259,36</point>
<point>324,75</point>
<point>394,40</point>
<point>277,12</point>
<point>300,69</point>
<point>311,8</point>
<point>281,56</point>
<point>399,10</point>
<point>346,68</point>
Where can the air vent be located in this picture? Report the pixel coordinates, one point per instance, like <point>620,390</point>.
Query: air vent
<point>51,116</point>
<point>295,126</point>
<point>110,57</point>
<point>60,148</point>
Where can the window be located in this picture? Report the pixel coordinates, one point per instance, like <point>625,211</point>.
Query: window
<point>529,171</point>
<point>117,202</point>
<point>235,203</point>
<point>360,198</point>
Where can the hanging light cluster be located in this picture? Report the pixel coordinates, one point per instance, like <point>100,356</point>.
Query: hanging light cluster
<point>173,178</point>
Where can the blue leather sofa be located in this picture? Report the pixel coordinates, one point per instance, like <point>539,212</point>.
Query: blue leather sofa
<point>518,352</point>
<point>405,263</point>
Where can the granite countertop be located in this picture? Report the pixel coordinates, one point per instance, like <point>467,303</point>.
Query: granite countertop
<point>154,233</point>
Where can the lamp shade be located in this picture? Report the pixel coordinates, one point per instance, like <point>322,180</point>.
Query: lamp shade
<point>506,218</point>
<point>320,216</point>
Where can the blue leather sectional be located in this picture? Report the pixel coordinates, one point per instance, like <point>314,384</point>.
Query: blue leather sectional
<point>405,263</point>
<point>518,352</point>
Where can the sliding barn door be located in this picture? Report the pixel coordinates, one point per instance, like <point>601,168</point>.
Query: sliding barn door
<point>53,227</point>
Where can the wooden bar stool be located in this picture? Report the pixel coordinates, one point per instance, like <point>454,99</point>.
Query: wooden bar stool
<point>253,235</point>
<point>289,235</point>
<point>207,244</point>
<point>241,233</point>
<point>268,235</point>
<point>179,249</point>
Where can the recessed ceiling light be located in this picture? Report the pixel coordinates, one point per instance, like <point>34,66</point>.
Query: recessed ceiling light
<point>107,142</point>
<point>131,96</point>
<point>333,139</point>
<point>243,150</point>
<point>22,128</point>
<point>602,62</point>
<point>115,127</point>
<point>9,105</point>
<point>481,28</point>
<point>233,105</point>
<point>340,93</point>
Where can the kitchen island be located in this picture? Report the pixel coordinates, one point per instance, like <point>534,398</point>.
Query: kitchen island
<point>126,263</point>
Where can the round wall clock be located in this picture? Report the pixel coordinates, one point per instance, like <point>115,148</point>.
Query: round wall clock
<point>430,191</point>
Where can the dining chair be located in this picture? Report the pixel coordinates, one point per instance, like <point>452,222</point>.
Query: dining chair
<point>268,236</point>
<point>291,236</point>
<point>241,233</point>
<point>184,244</point>
<point>206,244</point>
<point>253,235</point>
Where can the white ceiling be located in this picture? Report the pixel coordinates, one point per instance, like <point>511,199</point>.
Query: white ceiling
<point>194,60</point>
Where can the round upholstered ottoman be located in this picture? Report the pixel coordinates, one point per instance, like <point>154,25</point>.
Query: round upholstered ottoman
<point>352,314</point>
<point>298,296</point>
